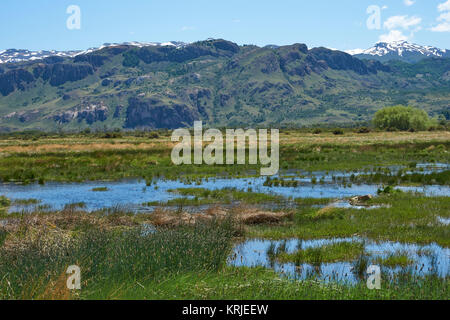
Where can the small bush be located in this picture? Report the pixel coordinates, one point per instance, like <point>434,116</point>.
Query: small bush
<point>153,135</point>
<point>363,130</point>
<point>317,131</point>
<point>4,201</point>
<point>402,118</point>
<point>338,132</point>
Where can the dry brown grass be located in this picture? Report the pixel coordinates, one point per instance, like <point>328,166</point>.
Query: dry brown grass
<point>241,215</point>
<point>46,148</point>
<point>86,144</point>
<point>369,138</point>
<point>57,290</point>
<point>57,228</point>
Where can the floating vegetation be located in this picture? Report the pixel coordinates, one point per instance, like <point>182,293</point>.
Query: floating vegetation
<point>341,251</point>
<point>100,189</point>
<point>398,259</point>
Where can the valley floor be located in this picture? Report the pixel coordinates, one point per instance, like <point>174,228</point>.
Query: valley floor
<point>230,243</point>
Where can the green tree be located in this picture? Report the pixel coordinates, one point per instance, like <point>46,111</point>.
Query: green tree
<point>402,118</point>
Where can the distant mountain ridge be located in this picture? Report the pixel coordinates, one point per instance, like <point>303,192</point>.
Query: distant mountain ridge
<point>23,55</point>
<point>170,85</point>
<point>382,51</point>
<point>400,50</point>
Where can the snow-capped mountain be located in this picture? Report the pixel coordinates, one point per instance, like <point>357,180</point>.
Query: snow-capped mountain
<point>400,50</point>
<point>21,55</point>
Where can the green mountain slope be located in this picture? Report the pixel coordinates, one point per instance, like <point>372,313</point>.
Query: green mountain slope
<point>215,80</point>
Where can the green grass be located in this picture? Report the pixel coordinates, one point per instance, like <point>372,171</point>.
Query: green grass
<point>111,258</point>
<point>395,260</point>
<point>126,262</point>
<point>203,196</point>
<point>122,260</point>
<point>4,201</point>
<point>3,235</point>
<point>308,154</point>
<point>342,251</point>
<point>25,202</point>
<point>261,284</point>
<point>409,218</point>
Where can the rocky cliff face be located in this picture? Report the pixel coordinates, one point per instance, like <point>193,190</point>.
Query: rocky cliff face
<point>14,80</point>
<point>90,113</point>
<point>55,73</point>
<point>156,113</point>
<point>60,73</point>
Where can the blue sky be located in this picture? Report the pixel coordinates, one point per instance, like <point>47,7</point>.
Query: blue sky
<point>41,24</point>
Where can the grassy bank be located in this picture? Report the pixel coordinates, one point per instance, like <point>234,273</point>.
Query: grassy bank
<point>110,251</point>
<point>403,217</point>
<point>258,283</point>
<point>80,158</point>
<point>121,258</point>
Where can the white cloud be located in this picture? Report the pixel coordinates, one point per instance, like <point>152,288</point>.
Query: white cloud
<point>384,7</point>
<point>409,2</point>
<point>403,22</point>
<point>442,27</point>
<point>443,19</point>
<point>444,6</point>
<point>396,24</point>
<point>393,35</point>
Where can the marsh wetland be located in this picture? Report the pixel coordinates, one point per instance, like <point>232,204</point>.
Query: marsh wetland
<point>143,228</point>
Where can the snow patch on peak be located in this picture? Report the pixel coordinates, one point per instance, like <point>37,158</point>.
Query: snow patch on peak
<point>400,48</point>
<point>21,55</point>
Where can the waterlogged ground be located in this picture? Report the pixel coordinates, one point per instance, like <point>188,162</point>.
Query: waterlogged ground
<point>424,260</point>
<point>133,193</point>
<point>406,234</point>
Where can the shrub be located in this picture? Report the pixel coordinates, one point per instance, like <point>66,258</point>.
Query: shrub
<point>402,118</point>
<point>153,135</point>
<point>4,201</point>
<point>363,130</point>
<point>317,131</point>
<point>338,131</point>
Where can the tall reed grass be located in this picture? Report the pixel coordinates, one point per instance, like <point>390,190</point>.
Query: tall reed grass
<point>108,257</point>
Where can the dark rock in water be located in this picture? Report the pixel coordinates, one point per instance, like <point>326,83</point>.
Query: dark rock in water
<point>360,200</point>
<point>156,113</point>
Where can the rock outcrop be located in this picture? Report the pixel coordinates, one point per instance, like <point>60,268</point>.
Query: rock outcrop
<point>157,113</point>
<point>14,79</point>
<point>91,113</point>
